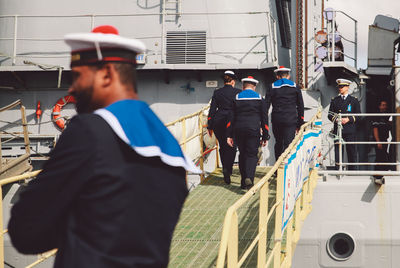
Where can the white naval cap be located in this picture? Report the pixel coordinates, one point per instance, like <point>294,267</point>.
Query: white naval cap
<point>343,82</point>
<point>231,74</point>
<point>282,69</point>
<point>249,79</point>
<point>102,44</point>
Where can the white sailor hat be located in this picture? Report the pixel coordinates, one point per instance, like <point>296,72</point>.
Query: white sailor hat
<point>231,74</point>
<point>282,69</point>
<point>343,82</point>
<point>102,44</point>
<point>249,79</point>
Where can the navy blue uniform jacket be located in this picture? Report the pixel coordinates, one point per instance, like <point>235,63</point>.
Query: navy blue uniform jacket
<point>221,105</point>
<point>249,113</point>
<point>349,105</point>
<point>99,202</point>
<point>287,103</point>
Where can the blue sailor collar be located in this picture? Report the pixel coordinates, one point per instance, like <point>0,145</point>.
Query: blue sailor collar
<point>284,82</point>
<point>136,124</point>
<point>248,94</point>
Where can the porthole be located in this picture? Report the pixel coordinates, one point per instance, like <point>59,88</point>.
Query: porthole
<point>340,246</point>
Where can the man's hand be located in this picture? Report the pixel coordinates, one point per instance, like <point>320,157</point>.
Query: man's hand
<point>210,132</point>
<point>379,146</point>
<point>345,120</point>
<point>229,141</point>
<point>264,143</point>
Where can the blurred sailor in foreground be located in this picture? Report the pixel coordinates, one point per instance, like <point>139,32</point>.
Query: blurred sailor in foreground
<point>111,193</point>
<point>221,106</point>
<point>249,116</point>
<point>344,104</point>
<point>287,109</point>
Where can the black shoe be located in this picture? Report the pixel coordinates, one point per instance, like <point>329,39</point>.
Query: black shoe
<point>248,183</point>
<point>227,179</point>
<point>227,176</point>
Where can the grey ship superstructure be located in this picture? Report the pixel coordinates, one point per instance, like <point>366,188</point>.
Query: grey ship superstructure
<point>190,43</point>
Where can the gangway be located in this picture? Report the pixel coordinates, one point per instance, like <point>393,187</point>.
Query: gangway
<point>219,222</point>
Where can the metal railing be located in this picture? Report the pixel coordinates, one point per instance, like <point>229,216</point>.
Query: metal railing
<point>269,37</point>
<point>29,175</point>
<point>331,34</point>
<point>341,142</point>
<point>183,141</point>
<point>229,240</point>
<point>18,165</point>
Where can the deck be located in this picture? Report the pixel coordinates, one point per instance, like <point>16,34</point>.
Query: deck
<point>197,236</point>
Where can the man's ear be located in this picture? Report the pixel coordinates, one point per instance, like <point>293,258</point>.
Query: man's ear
<point>106,75</point>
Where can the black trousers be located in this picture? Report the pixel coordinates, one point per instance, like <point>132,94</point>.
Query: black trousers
<point>226,152</point>
<point>381,157</point>
<point>248,142</point>
<point>283,137</point>
<point>350,149</point>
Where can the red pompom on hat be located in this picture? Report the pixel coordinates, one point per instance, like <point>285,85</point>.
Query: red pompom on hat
<point>282,69</point>
<point>106,29</point>
<point>250,79</point>
<point>102,44</point>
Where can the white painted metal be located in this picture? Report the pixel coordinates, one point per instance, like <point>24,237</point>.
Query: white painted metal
<point>397,102</point>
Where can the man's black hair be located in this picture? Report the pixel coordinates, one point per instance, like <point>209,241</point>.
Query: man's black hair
<point>227,78</point>
<point>126,71</point>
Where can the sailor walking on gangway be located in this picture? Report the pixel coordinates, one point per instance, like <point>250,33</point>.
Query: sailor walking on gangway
<point>249,115</point>
<point>221,106</point>
<point>287,109</point>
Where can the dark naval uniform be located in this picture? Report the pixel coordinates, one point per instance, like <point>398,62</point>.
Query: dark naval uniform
<point>248,117</point>
<point>343,106</point>
<point>221,106</point>
<point>287,112</point>
<point>99,202</point>
<point>384,126</point>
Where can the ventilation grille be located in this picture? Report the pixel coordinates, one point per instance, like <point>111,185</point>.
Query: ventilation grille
<point>186,47</point>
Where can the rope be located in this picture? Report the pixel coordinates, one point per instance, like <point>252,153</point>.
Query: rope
<point>206,152</point>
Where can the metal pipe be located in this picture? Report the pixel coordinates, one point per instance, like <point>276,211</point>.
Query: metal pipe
<point>10,106</point>
<point>269,42</point>
<point>15,40</point>
<point>369,142</point>
<point>163,31</point>
<point>374,114</point>
<point>306,45</point>
<point>355,45</point>
<point>397,105</point>
<point>339,11</point>
<point>138,15</point>
<point>339,124</point>
<point>371,164</point>
<point>92,22</point>
<point>146,37</point>
<point>322,14</point>
<point>358,172</point>
<point>59,77</point>
<point>333,40</point>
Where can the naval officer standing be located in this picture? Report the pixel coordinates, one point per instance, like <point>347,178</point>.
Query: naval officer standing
<point>249,116</point>
<point>344,103</point>
<point>287,109</point>
<point>221,106</point>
